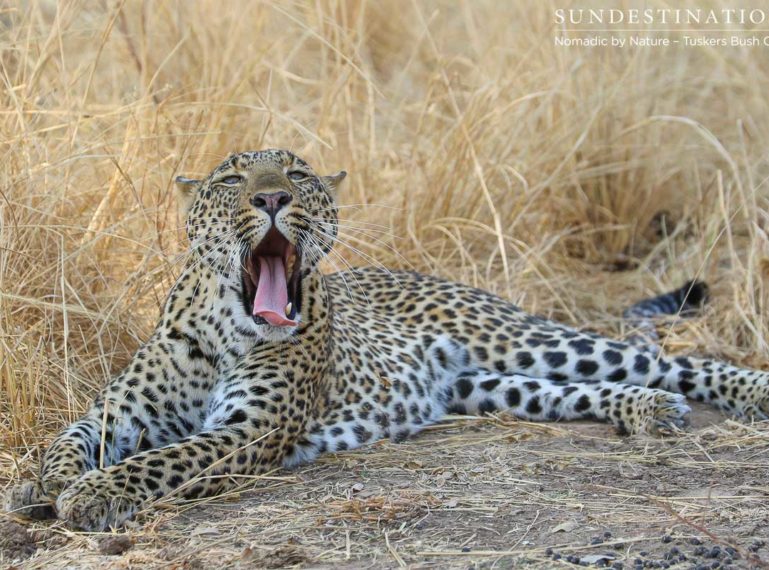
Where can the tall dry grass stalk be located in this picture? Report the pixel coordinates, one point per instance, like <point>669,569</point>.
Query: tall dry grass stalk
<point>477,150</point>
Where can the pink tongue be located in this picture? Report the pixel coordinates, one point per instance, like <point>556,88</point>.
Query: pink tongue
<point>271,294</point>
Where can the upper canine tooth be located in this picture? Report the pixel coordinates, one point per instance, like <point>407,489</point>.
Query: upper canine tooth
<point>288,308</point>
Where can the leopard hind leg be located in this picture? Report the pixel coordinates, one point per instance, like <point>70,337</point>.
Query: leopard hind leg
<point>631,409</point>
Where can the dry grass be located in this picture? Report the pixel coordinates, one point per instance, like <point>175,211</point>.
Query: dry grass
<point>568,180</point>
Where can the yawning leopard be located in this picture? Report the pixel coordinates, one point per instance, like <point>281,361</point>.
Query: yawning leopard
<point>259,360</point>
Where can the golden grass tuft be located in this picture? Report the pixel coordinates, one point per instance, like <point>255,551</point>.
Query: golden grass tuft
<point>572,181</point>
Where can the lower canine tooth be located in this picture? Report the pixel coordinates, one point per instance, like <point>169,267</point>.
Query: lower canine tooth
<point>288,308</point>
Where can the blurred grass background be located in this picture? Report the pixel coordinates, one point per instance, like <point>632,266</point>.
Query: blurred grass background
<point>572,181</point>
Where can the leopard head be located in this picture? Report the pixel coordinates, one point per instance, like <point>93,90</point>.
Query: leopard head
<point>262,221</point>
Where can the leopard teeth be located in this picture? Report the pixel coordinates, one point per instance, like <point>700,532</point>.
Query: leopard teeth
<point>288,308</point>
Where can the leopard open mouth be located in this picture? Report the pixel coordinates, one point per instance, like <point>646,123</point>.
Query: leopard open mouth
<point>271,281</point>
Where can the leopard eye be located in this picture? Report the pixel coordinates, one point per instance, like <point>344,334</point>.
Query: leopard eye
<point>234,179</point>
<point>297,175</point>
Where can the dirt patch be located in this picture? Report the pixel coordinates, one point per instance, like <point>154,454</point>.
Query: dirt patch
<point>22,539</point>
<point>115,545</point>
<point>494,493</point>
<point>16,541</point>
<point>281,557</point>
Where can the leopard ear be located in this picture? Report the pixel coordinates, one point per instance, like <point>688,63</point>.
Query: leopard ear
<point>186,189</point>
<point>332,182</point>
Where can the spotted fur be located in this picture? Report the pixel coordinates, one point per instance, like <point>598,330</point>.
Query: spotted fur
<point>215,395</point>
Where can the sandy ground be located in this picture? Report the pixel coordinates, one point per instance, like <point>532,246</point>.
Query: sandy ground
<point>490,493</point>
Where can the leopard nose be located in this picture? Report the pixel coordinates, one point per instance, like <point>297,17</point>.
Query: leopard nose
<point>271,203</point>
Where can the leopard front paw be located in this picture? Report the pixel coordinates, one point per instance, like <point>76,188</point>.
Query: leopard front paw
<point>94,503</point>
<point>30,500</point>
